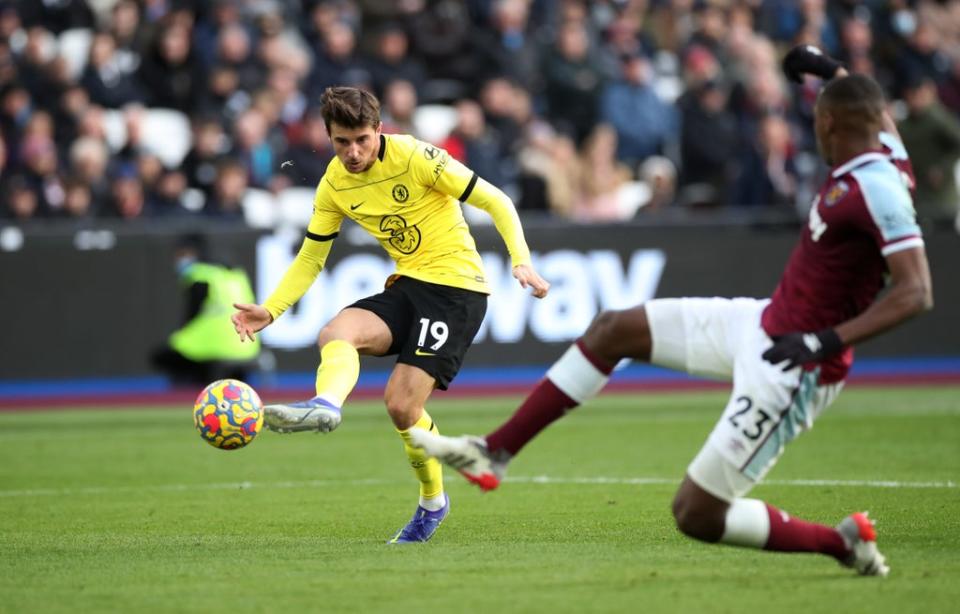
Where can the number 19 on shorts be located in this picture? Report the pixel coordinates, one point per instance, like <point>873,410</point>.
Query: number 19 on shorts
<point>438,331</point>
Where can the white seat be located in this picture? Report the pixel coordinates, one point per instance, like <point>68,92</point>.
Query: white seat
<point>115,129</point>
<point>434,122</point>
<point>294,207</point>
<point>631,196</point>
<point>259,208</point>
<point>74,47</point>
<point>166,134</point>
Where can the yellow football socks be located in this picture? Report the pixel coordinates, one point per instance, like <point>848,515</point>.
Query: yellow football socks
<point>338,371</point>
<point>426,468</point>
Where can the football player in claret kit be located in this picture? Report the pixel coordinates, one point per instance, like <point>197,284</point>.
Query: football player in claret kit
<point>407,195</point>
<point>786,356</point>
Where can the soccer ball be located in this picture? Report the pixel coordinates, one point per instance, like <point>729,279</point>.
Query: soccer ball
<point>228,414</point>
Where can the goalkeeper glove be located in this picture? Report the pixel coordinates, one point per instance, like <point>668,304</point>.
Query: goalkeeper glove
<point>801,348</point>
<point>807,59</point>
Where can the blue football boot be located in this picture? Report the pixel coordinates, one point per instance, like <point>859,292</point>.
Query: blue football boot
<point>423,524</point>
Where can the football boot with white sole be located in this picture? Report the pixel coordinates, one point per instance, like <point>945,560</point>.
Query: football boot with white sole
<point>316,415</point>
<point>467,454</point>
<point>861,536</point>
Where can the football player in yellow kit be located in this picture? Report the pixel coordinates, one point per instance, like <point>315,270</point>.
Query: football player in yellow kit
<point>406,194</point>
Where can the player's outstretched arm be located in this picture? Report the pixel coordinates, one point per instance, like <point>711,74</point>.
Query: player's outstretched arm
<point>249,319</point>
<point>910,292</point>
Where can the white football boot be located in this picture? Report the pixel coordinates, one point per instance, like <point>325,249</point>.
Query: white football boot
<point>467,454</point>
<point>317,415</point>
<point>861,536</point>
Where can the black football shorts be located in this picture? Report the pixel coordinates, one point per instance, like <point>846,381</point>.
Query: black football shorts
<point>432,325</point>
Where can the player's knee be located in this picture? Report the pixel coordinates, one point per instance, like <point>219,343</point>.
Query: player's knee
<point>603,329</point>
<point>696,522</point>
<point>619,334</point>
<point>401,411</point>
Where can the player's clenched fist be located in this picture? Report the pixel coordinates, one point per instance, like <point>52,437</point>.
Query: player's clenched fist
<point>249,319</point>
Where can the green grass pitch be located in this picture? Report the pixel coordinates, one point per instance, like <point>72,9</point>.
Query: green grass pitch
<point>128,510</point>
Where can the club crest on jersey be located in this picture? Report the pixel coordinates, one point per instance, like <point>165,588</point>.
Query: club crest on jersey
<point>835,193</point>
<point>400,193</point>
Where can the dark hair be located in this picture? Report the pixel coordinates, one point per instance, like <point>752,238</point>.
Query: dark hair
<point>350,107</point>
<point>856,102</point>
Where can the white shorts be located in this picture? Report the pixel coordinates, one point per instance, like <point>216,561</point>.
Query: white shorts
<point>722,338</point>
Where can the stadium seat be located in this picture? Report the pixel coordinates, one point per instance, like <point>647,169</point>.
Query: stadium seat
<point>259,208</point>
<point>166,133</point>
<point>631,196</point>
<point>74,48</point>
<point>294,207</point>
<point>434,122</point>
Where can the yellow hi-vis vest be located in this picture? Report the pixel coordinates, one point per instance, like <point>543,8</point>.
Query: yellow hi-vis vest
<point>210,334</point>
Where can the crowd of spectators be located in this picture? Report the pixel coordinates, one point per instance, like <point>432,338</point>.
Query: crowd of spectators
<point>590,111</point>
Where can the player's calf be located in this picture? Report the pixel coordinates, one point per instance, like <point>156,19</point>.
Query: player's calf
<point>698,514</point>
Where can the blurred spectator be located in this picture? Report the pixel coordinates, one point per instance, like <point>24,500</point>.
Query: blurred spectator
<point>33,66</point>
<point>252,148</point>
<point>305,162</point>
<point>708,144</point>
<point>170,73</point>
<point>234,51</point>
<point>223,96</point>
<point>40,163</point>
<point>659,174</point>
<point>167,194</point>
<point>127,198</point>
<point>128,33</point>
<point>498,99</point>
<point>473,144</point>
<point>601,179</point>
<point>506,48</point>
<point>78,201</point>
<point>572,81</point>
<point>767,171</point>
<point>228,190</point>
<point>21,202</point>
<point>440,34</point>
<point>392,61</point>
<point>89,158</point>
<point>399,103</point>
<point>105,78</point>
<point>290,101</point>
<point>643,122</point>
<point>337,62</point>
<point>932,136</point>
<point>922,56</point>
<point>56,16</point>
<point>200,164</point>
<point>549,173</point>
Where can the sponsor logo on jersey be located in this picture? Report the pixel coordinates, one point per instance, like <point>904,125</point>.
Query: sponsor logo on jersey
<point>405,239</point>
<point>836,192</point>
<point>430,152</point>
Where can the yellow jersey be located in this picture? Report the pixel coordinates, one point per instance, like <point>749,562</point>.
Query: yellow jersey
<point>409,200</point>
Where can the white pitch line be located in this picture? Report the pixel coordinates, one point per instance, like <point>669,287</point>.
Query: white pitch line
<point>537,479</point>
